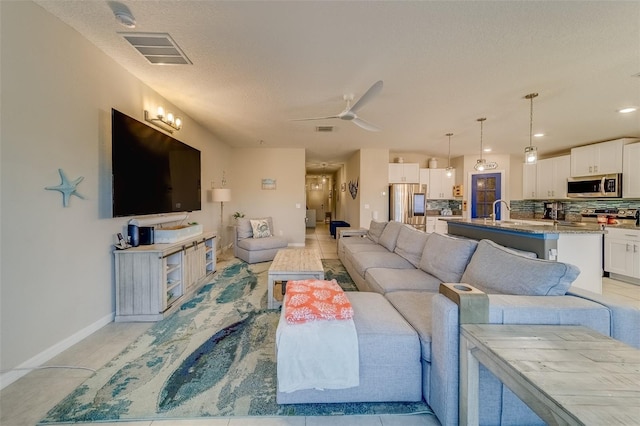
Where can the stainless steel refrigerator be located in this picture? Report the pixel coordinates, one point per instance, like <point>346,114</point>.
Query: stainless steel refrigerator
<point>408,204</point>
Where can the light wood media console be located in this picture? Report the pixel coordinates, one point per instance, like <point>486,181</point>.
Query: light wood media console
<point>151,280</point>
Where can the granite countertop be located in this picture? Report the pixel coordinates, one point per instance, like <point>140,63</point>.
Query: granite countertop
<point>624,226</point>
<point>532,227</point>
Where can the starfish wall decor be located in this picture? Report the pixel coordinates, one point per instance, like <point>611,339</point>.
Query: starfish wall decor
<point>67,188</point>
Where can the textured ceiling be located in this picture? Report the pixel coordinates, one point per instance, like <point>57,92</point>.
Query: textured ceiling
<point>257,65</point>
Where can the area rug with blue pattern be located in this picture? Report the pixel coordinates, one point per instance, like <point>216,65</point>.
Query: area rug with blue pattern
<point>214,357</point>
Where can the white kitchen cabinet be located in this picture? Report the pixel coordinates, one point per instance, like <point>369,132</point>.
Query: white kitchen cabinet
<point>631,171</point>
<point>622,253</point>
<point>440,185</point>
<point>150,280</point>
<point>551,177</point>
<point>431,224</point>
<point>404,173</point>
<point>424,178</point>
<point>441,227</point>
<point>597,159</point>
<point>529,176</point>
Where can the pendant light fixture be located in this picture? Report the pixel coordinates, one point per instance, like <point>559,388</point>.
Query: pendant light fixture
<point>449,170</point>
<point>531,152</point>
<point>482,164</point>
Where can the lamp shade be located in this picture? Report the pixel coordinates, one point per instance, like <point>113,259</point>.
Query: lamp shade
<point>221,194</point>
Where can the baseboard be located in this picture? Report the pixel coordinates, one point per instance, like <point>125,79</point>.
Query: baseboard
<point>12,375</point>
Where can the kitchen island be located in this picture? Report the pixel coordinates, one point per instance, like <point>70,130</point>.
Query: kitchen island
<point>577,243</point>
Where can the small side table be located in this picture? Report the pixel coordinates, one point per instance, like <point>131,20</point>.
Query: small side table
<point>350,232</point>
<point>567,374</point>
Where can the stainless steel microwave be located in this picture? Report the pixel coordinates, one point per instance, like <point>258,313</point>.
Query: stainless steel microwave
<point>602,186</point>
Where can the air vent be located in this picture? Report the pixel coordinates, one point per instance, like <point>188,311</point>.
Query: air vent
<point>158,48</point>
<point>324,129</point>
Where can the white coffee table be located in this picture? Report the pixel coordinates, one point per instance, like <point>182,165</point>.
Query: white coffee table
<point>293,264</point>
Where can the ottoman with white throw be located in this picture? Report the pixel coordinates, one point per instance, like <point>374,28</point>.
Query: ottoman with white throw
<point>373,357</point>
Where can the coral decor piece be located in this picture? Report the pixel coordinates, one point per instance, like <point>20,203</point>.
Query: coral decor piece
<point>68,188</point>
<point>353,188</point>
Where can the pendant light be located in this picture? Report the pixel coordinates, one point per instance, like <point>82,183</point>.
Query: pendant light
<point>483,164</point>
<point>449,170</point>
<point>531,152</point>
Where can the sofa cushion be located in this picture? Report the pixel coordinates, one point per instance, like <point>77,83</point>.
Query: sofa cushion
<point>361,248</point>
<point>415,307</point>
<point>375,230</point>
<point>384,280</point>
<point>410,244</point>
<point>446,257</point>
<point>260,228</point>
<point>495,269</point>
<point>363,261</point>
<point>390,234</point>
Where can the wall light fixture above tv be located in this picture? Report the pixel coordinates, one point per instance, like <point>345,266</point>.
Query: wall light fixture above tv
<point>152,172</point>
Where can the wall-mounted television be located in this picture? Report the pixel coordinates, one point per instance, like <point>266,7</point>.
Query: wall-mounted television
<point>152,172</point>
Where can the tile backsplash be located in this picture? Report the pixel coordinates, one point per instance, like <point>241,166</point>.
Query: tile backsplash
<point>534,209</point>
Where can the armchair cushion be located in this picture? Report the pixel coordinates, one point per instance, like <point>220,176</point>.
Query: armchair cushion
<point>260,228</point>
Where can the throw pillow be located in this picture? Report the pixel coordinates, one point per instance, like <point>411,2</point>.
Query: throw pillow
<point>375,230</point>
<point>410,244</point>
<point>496,269</point>
<point>260,228</point>
<point>389,235</point>
<point>446,257</point>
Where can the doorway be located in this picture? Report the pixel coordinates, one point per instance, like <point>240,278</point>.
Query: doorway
<point>485,189</point>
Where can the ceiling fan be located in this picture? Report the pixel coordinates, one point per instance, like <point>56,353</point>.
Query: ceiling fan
<point>350,111</point>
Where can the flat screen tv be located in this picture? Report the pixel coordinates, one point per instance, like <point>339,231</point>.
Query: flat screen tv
<point>152,172</point>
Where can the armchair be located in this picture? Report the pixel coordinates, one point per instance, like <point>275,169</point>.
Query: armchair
<point>254,249</point>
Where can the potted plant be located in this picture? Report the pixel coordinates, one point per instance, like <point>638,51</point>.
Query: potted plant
<point>238,215</point>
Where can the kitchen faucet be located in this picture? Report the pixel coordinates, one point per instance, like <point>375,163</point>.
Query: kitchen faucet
<point>493,209</point>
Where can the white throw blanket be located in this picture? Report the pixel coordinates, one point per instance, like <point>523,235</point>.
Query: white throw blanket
<point>319,354</point>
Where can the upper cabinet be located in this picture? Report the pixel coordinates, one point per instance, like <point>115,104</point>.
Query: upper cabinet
<point>597,159</point>
<point>551,177</point>
<point>404,173</point>
<point>631,171</point>
<point>440,185</point>
<point>529,175</point>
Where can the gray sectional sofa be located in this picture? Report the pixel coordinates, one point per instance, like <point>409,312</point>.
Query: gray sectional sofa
<point>407,267</point>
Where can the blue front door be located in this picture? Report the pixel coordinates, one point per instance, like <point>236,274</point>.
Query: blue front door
<point>485,190</point>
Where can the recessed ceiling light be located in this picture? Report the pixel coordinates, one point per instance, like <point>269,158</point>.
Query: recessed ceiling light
<point>538,135</point>
<point>627,110</point>
<point>487,150</point>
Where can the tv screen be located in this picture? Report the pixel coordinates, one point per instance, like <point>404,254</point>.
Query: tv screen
<point>152,172</point>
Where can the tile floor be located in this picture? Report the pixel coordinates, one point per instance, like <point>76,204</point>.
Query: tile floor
<point>26,401</point>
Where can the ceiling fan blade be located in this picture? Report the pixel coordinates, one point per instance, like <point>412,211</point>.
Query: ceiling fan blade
<point>314,118</point>
<point>365,125</point>
<point>368,95</point>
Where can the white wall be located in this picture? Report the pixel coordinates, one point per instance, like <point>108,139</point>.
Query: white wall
<point>374,186</point>
<point>56,279</point>
<point>352,206</point>
<point>286,204</point>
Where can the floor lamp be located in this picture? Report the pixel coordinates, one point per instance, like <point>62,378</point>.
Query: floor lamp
<point>221,195</point>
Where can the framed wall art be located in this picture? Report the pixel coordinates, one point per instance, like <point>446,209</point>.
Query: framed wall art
<point>268,184</point>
